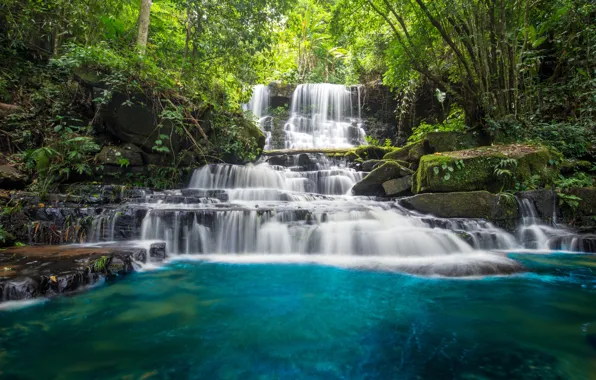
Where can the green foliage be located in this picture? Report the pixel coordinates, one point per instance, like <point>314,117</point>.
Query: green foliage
<point>100,265</point>
<point>445,170</point>
<point>579,179</point>
<point>374,142</point>
<point>454,123</point>
<point>506,167</point>
<point>569,200</point>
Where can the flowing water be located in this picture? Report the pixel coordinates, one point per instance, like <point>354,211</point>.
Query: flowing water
<point>277,272</point>
<point>322,115</point>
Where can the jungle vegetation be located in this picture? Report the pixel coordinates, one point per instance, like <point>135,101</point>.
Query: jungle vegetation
<point>517,69</point>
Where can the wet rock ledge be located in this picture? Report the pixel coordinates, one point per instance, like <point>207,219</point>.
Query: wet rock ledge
<point>46,271</point>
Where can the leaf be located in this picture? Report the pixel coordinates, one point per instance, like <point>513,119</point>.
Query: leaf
<point>436,170</point>
<point>538,42</point>
<point>447,176</point>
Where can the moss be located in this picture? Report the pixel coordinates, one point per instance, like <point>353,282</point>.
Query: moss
<point>474,169</point>
<point>371,152</point>
<point>572,166</point>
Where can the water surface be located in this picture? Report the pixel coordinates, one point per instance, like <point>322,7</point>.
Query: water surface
<point>210,320</point>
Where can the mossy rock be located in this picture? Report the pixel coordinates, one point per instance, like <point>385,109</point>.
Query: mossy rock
<point>501,209</point>
<point>572,166</point>
<point>372,184</point>
<point>474,169</point>
<point>371,152</point>
<point>587,204</point>
<point>434,142</point>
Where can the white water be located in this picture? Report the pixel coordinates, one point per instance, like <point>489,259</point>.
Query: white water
<point>298,214</point>
<point>258,106</point>
<point>322,115</point>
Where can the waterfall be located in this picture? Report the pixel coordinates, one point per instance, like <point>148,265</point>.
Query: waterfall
<point>258,106</point>
<point>324,115</point>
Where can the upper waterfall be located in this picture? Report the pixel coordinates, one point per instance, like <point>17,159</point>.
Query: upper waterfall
<point>321,115</point>
<point>324,116</point>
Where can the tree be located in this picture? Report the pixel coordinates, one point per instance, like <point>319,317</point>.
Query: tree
<point>144,19</point>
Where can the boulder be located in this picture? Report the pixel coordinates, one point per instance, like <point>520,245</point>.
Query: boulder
<point>11,178</point>
<point>372,184</point>
<point>398,187</point>
<point>434,142</point>
<point>476,169</point>
<point>370,165</point>
<point>111,155</point>
<point>372,152</point>
<point>498,208</point>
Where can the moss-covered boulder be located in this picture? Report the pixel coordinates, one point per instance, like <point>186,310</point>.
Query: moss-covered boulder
<point>491,168</point>
<point>372,152</point>
<point>372,184</point>
<point>434,142</point>
<point>498,208</point>
<point>126,155</point>
<point>398,186</point>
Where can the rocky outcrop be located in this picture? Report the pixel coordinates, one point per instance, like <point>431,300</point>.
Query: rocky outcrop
<point>375,183</point>
<point>491,168</point>
<point>280,94</point>
<point>500,209</point>
<point>126,155</point>
<point>46,271</point>
<point>11,178</point>
<point>434,142</point>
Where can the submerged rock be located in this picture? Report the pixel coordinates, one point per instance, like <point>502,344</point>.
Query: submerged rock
<point>372,184</point>
<point>45,271</point>
<point>491,168</point>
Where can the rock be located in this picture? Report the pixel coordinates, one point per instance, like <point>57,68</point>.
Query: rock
<point>475,169</point>
<point>45,271</point>
<point>11,178</point>
<point>501,209</point>
<point>574,243</point>
<point>587,204</point>
<point>398,187</point>
<point>370,165</point>
<point>206,193</point>
<point>371,152</point>
<point>306,162</point>
<point>434,142</point>
<point>278,160</point>
<point>280,94</point>
<point>111,155</point>
<point>545,202</point>
<point>157,252</point>
<point>372,184</point>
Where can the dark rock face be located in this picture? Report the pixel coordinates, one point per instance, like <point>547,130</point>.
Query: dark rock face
<point>46,271</point>
<point>576,243</point>
<point>11,178</point>
<point>280,94</point>
<point>131,119</point>
<point>501,210</point>
<point>545,202</point>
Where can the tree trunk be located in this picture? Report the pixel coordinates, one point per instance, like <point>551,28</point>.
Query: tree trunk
<point>144,17</point>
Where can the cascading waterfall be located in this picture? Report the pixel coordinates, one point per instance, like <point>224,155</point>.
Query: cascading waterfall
<point>324,116</point>
<point>299,209</point>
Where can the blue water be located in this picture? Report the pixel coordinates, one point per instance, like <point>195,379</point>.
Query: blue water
<point>197,320</point>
